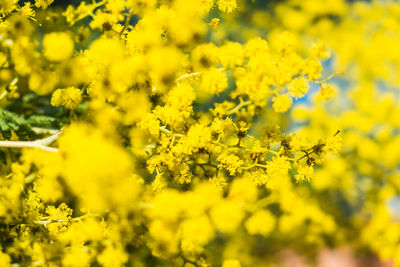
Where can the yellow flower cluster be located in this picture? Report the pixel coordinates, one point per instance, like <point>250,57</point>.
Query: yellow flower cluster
<point>180,133</point>
<point>57,46</point>
<point>69,97</point>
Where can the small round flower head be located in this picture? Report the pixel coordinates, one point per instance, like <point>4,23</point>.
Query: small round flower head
<point>231,263</point>
<point>214,81</point>
<point>69,97</point>
<point>7,5</point>
<point>57,46</point>
<point>214,23</point>
<point>27,10</point>
<point>227,6</point>
<point>304,173</point>
<point>43,3</point>
<point>281,103</point>
<point>298,87</point>
<point>261,222</point>
<point>19,26</point>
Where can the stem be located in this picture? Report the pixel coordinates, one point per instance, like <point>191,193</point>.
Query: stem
<point>89,13</point>
<point>30,178</point>
<point>329,77</point>
<point>39,130</point>
<point>238,107</point>
<point>126,24</point>
<point>41,143</point>
<point>165,130</point>
<point>273,152</point>
<point>255,165</point>
<point>76,219</point>
<point>188,75</point>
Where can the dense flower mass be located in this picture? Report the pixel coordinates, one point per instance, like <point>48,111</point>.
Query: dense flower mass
<point>199,133</point>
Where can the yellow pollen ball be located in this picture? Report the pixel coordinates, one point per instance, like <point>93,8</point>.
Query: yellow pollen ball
<point>57,46</point>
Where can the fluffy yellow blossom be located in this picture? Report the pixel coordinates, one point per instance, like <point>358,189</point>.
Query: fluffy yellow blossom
<point>61,213</point>
<point>227,216</point>
<point>213,81</point>
<point>214,23</point>
<point>327,91</point>
<point>304,173</point>
<point>96,150</point>
<point>197,231</point>
<point>7,6</point>
<point>243,191</point>
<point>334,143</point>
<point>312,69</point>
<point>42,83</point>
<point>218,181</point>
<point>256,46</point>
<point>105,51</point>
<point>164,63</point>
<point>76,255</point>
<point>319,50</point>
<point>281,103</point>
<point>27,10</point>
<point>69,97</point>
<point>112,256</point>
<point>57,46</point>
<point>231,54</point>
<point>283,41</point>
<point>261,222</point>
<point>227,6</point>
<point>298,87</point>
<point>231,263</point>
<point>221,128</point>
<point>278,167</point>
<point>231,163</point>
<point>204,56</point>
<point>43,3</point>
<point>4,259</point>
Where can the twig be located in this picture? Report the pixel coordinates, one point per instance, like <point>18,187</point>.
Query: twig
<point>188,75</point>
<point>238,107</point>
<point>41,143</point>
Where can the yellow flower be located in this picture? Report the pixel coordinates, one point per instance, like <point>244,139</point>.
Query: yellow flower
<point>213,81</point>
<point>204,56</point>
<point>112,256</point>
<point>278,167</point>
<point>218,181</point>
<point>230,162</point>
<point>327,92</point>
<point>227,6</point>
<point>198,231</point>
<point>96,168</point>
<point>320,51</point>
<point>304,173</point>
<point>261,222</point>
<point>281,103</point>
<point>227,216</point>
<point>256,46</point>
<point>57,46</point>
<point>69,97</point>
<point>231,54</point>
<point>334,144</point>
<point>76,256</point>
<point>7,5</point>
<point>27,10</point>
<point>214,23</point>
<point>298,87</point>
<point>231,263</point>
<point>5,260</point>
<point>43,3</point>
